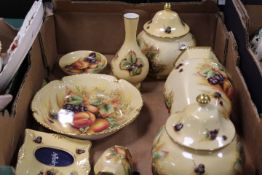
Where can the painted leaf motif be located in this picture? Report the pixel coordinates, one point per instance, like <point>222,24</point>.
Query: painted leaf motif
<point>132,58</point>
<point>136,71</point>
<point>96,101</point>
<point>106,108</point>
<point>125,64</point>
<point>75,100</point>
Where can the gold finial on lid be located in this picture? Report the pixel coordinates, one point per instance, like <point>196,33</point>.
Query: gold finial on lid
<point>203,99</point>
<point>167,6</point>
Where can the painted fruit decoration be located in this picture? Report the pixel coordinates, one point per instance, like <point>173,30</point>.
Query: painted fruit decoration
<point>90,113</point>
<point>92,63</point>
<point>216,76</point>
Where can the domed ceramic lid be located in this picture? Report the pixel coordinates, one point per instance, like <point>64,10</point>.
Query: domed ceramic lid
<point>200,126</point>
<point>166,24</point>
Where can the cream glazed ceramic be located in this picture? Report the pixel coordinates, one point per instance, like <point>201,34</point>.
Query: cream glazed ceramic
<point>197,141</point>
<point>115,160</point>
<point>129,62</point>
<point>82,61</point>
<point>198,71</point>
<point>52,154</point>
<point>163,39</point>
<point>87,106</point>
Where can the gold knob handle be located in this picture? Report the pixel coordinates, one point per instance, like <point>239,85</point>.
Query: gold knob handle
<point>203,99</point>
<point>167,6</point>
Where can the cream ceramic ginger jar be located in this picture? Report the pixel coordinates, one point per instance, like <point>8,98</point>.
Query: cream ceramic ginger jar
<point>129,62</point>
<point>116,160</point>
<point>197,70</point>
<point>197,141</point>
<point>163,39</point>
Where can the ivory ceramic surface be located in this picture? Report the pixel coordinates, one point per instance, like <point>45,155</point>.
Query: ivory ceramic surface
<point>256,44</point>
<point>52,154</point>
<point>115,160</point>
<point>201,127</point>
<point>129,62</point>
<point>88,106</point>
<point>198,71</point>
<point>82,61</point>
<point>170,158</point>
<point>163,39</point>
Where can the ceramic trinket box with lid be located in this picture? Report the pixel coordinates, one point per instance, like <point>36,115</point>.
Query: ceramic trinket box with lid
<point>163,39</point>
<point>197,141</point>
<point>197,70</point>
<point>129,62</point>
<point>116,160</point>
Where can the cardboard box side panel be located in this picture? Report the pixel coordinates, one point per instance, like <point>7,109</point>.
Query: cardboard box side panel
<point>94,6</point>
<point>7,34</point>
<point>94,31</point>
<point>48,41</point>
<point>245,110</point>
<point>255,20</point>
<point>8,138</point>
<point>220,41</point>
<point>248,66</point>
<point>18,121</point>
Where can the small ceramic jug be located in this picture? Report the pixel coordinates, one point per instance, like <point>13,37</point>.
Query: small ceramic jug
<point>116,160</point>
<point>256,44</point>
<point>163,39</point>
<point>197,70</point>
<point>129,62</point>
<point>197,141</point>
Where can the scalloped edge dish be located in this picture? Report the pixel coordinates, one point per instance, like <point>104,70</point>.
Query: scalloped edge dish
<point>87,106</point>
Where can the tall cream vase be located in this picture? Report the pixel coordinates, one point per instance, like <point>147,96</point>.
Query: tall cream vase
<point>129,62</point>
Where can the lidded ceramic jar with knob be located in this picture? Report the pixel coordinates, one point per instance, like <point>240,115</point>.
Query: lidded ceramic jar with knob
<point>163,39</point>
<point>197,141</point>
<point>197,70</point>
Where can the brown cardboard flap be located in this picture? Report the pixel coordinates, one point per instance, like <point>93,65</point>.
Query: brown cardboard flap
<point>220,41</point>
<point>207,6</point>
<point>7,34</point>
<point>255,21</point>
<point>94,31</point>
<point>48,42</point>
<point>244,108</point>
<point>12,126</point>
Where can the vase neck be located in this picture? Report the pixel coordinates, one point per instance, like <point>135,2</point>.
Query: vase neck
<point>131,22</point>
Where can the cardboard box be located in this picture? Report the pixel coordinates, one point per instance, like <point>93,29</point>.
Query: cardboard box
<point>99,26</point>
<point>244,20</point>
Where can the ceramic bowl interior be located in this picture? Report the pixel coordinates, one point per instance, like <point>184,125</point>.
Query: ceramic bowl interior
<point>45,153</point>
<point>87,106</point>
<point>82,61</point>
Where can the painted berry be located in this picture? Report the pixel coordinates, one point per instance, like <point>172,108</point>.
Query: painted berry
<point>38,139</point>
<point>200,169</point>
<point>178,127</point>
<point>80,151</point>
<point>168,29</point>
<point>212,134</point>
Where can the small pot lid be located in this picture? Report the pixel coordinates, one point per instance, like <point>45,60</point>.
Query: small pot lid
<point>166,24</point>
<point>200,126</point>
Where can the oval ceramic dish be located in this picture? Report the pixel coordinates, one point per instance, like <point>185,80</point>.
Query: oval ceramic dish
<point>82,61</point>
<point>87,106</point>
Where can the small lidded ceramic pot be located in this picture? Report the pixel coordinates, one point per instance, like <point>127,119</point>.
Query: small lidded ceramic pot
<point>256,44</point>
<point>116,160</point>
<point>163,39</point>
<point>197,141</point>
<point>197,70</point>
